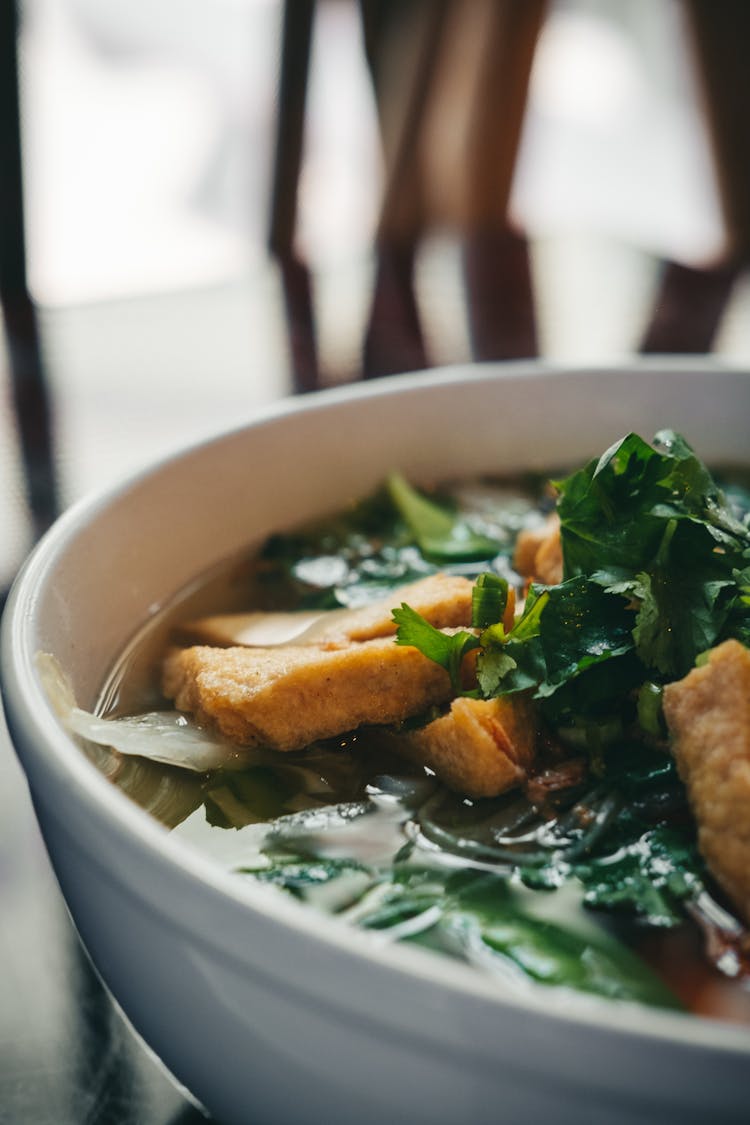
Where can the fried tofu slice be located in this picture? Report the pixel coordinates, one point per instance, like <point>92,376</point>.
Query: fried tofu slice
<point>538,552</point>
<point>480,748</point>
<point>287,697</point>
<point>442,599</point>
<point>708,715</point>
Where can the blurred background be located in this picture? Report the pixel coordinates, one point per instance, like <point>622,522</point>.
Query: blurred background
<point>227,201</point>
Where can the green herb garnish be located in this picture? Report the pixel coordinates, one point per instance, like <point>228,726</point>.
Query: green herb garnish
<point>489,597</point>
<point>655,573</point>
<point>445,649</point>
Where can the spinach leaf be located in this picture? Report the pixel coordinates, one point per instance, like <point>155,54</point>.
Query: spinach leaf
<point>441,534</point>
<point>344,560</point>
<point>543,950</point>
<point>476,916</point>
<point>651,876</point>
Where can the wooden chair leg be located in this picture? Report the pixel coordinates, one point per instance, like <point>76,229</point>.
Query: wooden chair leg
<point>500,301</point>
<point>688,308</point>
<point>394,340</point>
<point>295,276</point>
<point>720,35</point>
<point>691,301</point>
<point>29,389</point>
<point>477,55</point>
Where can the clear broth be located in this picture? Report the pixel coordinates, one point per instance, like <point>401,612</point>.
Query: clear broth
<point>214,813</point>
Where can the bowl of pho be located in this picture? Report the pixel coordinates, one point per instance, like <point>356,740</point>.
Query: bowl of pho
<point>392,750</point>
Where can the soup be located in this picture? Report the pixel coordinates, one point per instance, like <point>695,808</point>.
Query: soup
<point>582,868</point>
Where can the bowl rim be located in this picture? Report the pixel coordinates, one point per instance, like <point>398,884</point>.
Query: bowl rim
<point>33,724</point>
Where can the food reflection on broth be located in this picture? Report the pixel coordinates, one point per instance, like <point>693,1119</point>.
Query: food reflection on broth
<point>466,719</point>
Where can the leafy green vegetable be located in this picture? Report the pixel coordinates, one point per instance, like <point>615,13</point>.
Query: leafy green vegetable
<point>441,534</point>
<point>738,617</point>
<point>510,662</point>
<point>246,797</point>
<point>363,552</point>
<point>547,952</point>
<point>476,916</point>
<point>645,862</point>
<point>615,510</point>
<point>655,573</point>
<point>557,647</point>
<point>630,823</point>
<point>346,560</point>
<point>300,874</point>
<point>445,649</point>
<point>651,523</point>
<point>651,876</point>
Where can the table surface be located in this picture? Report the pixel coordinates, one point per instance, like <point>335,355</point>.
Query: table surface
<point>67,1055</point>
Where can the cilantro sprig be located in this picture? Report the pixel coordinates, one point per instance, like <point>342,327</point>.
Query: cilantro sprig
<point>446,649</point>
<point>489,599</point>
<point>656,572</point>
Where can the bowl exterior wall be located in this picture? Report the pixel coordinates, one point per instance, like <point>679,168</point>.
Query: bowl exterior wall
<point>260,1017</point>
<point>251,1043</point>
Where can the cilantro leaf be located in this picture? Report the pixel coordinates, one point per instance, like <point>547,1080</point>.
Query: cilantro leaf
<point>679,617</point>
<point>570,632</point>
<point>651,524</point>
<point>615,511</point>
<point>514,661</point>
<point>445,649</point>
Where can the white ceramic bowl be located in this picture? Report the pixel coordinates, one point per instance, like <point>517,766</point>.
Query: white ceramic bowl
<point>266,1011</point>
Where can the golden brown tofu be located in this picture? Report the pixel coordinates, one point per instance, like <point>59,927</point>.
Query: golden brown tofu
<point>481,748</point>
<point>538,553</point>
<point>442,599</point>
<point>708,715</point>
<point>286,697</point>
